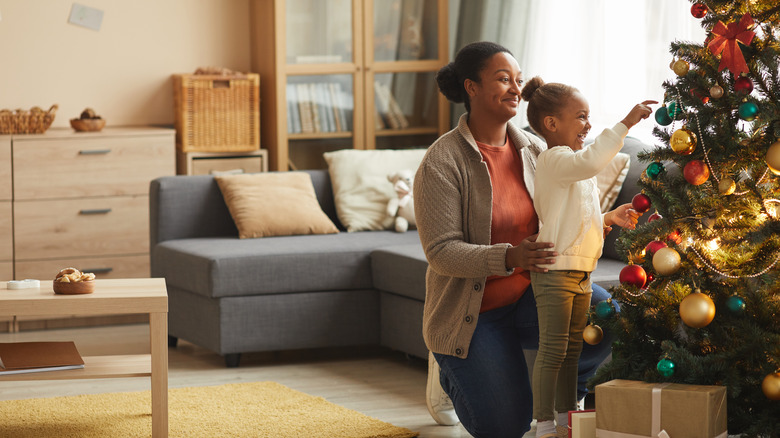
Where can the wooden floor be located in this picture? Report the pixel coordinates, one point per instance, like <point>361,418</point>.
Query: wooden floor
<point>377,382</point>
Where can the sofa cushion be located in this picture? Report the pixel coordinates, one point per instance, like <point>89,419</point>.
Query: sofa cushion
<point>610,180</point>
<point>360,186</point>
<point>274,204</point>
<point>400,269</point>
<point>228,266</point>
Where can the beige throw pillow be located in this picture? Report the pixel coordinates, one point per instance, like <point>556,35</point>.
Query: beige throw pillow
<point>274,204</point>
<point>611,180</point>
<point>361,190</point>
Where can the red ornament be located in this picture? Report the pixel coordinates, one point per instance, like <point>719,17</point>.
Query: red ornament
<point>675,236</point>
<point>743,86</point>
<point>696,172</point>
<point>654,246</point>
<point>641,202</point>
<point>634,275</point>
<point>725,40</point>
<point>654,217</point>
<point>650,278</point>
<point>699,10</point>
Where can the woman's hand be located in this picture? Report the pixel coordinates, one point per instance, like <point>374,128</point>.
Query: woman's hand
<point>530,253</point>
<point>623,216</point>
<point>638,113</point>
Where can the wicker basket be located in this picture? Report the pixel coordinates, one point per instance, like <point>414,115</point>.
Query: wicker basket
<point>217,113</point>
<point>35,121</point>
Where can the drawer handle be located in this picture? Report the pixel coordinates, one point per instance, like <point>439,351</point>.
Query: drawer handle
<point>98,270</point>
<point>94,151</point>
<point>96,211</point>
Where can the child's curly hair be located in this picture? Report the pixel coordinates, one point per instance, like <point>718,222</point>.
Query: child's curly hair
<point>544,100</point>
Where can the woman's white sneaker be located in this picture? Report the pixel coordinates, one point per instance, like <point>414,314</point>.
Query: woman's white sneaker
<point>439,404</point>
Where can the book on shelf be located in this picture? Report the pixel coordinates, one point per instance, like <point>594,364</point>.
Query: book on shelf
<point>305,108</point>
<point>293,113</point>
<point>389,113</point>
<point>34,357</point>
<point>314,108</point>
<point>334,101</point>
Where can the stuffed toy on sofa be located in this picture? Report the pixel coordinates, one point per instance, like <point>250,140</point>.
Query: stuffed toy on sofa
<point>401,208</point>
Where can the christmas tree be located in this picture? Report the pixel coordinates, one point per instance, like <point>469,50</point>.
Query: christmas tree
<point>700,298</point>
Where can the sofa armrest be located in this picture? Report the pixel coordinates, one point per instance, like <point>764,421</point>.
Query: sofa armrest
<point>187,206</point>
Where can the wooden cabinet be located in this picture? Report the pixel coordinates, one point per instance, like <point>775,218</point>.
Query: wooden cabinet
<point>210,163</point>
<point>82,200</point>
<point>348,74</point>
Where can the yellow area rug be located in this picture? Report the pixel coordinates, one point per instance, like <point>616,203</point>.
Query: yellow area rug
<point>261,409</point>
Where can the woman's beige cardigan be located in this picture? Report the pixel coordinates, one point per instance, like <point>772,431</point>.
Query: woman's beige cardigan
<point>453,199</point>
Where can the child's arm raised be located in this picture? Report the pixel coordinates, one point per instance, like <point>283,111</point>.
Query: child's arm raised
<point>638,113</point>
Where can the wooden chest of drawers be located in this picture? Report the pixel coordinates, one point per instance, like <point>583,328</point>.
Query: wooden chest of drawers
<point>81,199</point>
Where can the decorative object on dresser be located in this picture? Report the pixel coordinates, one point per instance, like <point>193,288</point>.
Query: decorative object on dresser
<point>80,199</point>
<point>88,121</point>
<point>34,121</point>
<point>348,74</point>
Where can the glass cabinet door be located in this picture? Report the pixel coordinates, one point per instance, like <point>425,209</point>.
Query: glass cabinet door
<point>405,30</point>
<point>318,31</point>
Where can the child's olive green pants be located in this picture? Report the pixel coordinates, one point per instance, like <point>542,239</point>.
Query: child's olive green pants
<point>562,301</point>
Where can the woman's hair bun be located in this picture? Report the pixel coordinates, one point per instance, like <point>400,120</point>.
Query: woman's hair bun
<point>530,88</point>
<point>450,87</point>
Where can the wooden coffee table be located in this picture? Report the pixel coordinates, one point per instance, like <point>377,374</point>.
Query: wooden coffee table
<point>111,296</point>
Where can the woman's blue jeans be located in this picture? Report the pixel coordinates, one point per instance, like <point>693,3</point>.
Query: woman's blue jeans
<point>490,389</point>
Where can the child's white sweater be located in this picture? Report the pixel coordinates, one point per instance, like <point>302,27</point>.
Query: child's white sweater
<point>567,199</point>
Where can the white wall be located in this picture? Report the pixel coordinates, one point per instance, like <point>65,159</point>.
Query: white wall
<point>123,70</point>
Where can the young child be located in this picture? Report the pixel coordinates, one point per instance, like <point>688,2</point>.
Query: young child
<point>567,203</point>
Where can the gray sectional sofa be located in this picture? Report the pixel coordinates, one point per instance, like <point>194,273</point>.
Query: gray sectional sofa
<point>234,295</point>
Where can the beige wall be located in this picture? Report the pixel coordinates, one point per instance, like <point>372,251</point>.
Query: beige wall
<point>123,70</point>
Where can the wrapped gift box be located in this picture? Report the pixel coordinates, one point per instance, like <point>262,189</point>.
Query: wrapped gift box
<point>631,409</point>
<point>582,424</point>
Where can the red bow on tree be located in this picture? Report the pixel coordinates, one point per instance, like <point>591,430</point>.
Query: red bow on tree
<point>724,42</point>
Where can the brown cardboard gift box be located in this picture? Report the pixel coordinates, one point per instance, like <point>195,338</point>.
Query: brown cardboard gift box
<point>631,409</point>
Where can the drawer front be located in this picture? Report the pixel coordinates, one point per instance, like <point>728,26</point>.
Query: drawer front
<point>94,166</point>
<point>5,167</point>
<point>103,267</point>
<point>81,228</point>
<point>210,166</point>
<point>6,232</point>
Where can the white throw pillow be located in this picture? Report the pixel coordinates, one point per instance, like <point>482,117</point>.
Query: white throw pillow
<point>360,187</point>
<point>611,180</point>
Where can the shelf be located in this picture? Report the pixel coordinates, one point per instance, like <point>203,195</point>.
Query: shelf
<point>95,367</point>
<point>320,135</point>
<point>407,131</point>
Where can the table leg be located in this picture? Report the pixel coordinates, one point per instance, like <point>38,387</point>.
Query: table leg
<point>158,328</point>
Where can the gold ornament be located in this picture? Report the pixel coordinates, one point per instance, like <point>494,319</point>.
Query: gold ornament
<point>697,310</point>
<point>592,334</point>
<point>773,158</point>
<point>666,261</point>
<point>680,67</point>
<point>683,141</point>
<point>716,92</point>
<point>726,186</point>
<point>771,386</point>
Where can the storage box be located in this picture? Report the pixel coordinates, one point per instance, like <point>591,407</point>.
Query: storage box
<point>582,424</point>
<point>217,113</point>
<point>627,408</point>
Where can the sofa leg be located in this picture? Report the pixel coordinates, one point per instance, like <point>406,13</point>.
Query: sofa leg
<point>232,360</point>
<point>172,341</point>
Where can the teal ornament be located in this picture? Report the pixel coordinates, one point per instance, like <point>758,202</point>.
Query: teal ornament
<point>673,110</point>
<point>654,169</point>
<point>748,111</point>
<point>665,367</point>
<point>735,304</point>
<point>605,309</point>
<point>662,116</point>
